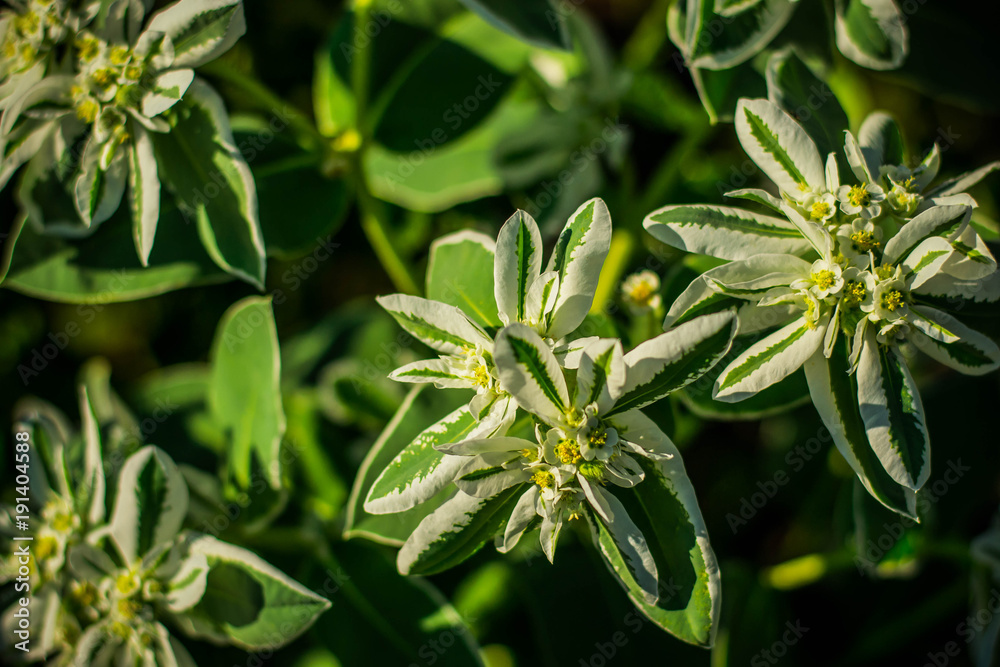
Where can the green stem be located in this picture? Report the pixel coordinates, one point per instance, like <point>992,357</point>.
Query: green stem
<point>373,223</point>
<point>267,99</point>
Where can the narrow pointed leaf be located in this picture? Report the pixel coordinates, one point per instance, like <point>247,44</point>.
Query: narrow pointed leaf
<point>779,146</point>
<point>151,503</point>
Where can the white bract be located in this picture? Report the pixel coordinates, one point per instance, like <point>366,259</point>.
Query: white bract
<point>846,288</point>
<point>554,432</point>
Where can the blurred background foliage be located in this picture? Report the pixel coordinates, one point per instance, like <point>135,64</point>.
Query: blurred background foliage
<point>458,125</point>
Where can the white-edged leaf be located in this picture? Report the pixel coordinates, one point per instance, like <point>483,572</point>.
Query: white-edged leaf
<point>779,146</point>
<point>758,196</point>
<point>972,354</point>
<point>530,372</point>
<point>438,371</point>
<point>144,192</point>
<point>151,503</point>
<point>484,475</point>
<point>835,394</point>
<point>247,602</point>
<point>201,30</point>
<point>672,360</point>
<point>724,232</point>
<point>881,143</point>
<point>872,33</point>
<point>628,539</point>
<point>963,182</point>
<point>455,530</point>
<point>577,258</point>
<point>937,221</point>
<point>439,326</point>
<point>600,376</point>
<point>187,586</point>
<point>518,262</point>
<point>420,471</point>
<point>97,191</point>
<point>90,487</point>
<point>769,360</point>
<point>521,518</point>
<point>893,413</point>
<point>166,91</point>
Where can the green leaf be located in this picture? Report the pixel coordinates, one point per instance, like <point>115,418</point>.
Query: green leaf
<point>151,503</point>
<point>440,326</point>
<point>539,23</point>
<point>244,391</point>
<point>144,191</point>
<point>530,373</point>
<point>724,232</point>
<point>799,92</point>
<point>872,33</point>
<point>248,602</point>
<point>419,409</point>
<point>665,509</point>
<point>455,531</point>
<point>835,394</point>
<point>103,268</point>
<point>201,165</point>
<point>419,472</point>
<point>460,273</point>
<point>780,147</point>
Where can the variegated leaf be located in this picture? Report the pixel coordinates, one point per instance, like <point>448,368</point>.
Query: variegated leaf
<point>780,147</point>
<point>872,33</point>
<point>530,372</point>
<point>518,262</point>
<point>439,326</point>
<point>144,192</point>
<point>201,30</point>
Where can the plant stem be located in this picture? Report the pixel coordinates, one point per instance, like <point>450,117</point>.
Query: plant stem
<point>373,223</point>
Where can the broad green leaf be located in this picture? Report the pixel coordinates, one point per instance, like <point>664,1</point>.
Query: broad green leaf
<point>248,602</point>
<point>455,531</point>
<point>530,373</point>
<point>893,414</point>
<point>244,391</point>
<point>665,509</point>
<point>769,360</point>
<point>202,166</point>
<point>440,326</point>
<point>675,359</point>
<point>724,232</point>
<point>872,33</point>
<point>835,394</point>
<point>144,192</point>
<point>104,268</point>
<point>972,354</point>
<point>151,503</point>
<point>780,147</point>
<point>419,472</point>
<point>541,23</point>
<point>715,41</point>
<point>808,99</point>
<point>460,273</point>
<point>201,30</point>
<point>421,408</point>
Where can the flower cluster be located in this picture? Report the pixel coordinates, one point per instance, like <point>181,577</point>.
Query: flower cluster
<point>105,585</point>
<point>554,432</point>
<point>851,272</point>
<point>86,87</point>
